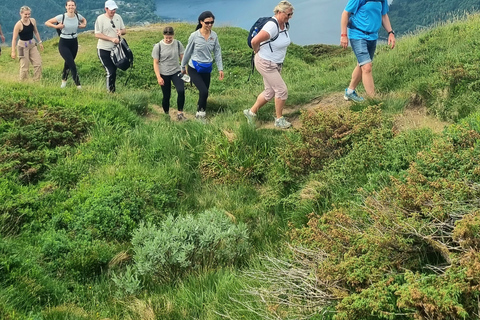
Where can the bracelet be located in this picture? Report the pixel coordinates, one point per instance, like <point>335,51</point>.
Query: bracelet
<point>40,42</point>
<point>343,35</point>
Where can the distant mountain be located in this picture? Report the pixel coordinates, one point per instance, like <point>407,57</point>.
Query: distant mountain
<point>133,12</point>
<point>410,15</point>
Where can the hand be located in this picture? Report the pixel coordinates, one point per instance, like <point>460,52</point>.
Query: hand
<point>3,38</point>
<point>41,46</point>
<point>391,40</point>
<point>115,40</point>
<point>344,42</point>
<point>13,55</point>
<point>161,81</point>
<point>221,75</point>
<point>60,26</point>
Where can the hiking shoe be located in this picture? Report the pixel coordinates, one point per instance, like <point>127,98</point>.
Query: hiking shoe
<point>282,123</point>
<point>201,116</point>
<point>352,96</point>
<point>64,84</point>
<point>181,117</point>
<point>251,117</point>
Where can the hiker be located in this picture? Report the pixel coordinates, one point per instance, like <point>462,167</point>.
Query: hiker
<point>67,25</point>
<point>363,19</point>
<point>198,55</point>
<point>167,55</point>
<point>108,29</point>
<point>269,56</point>
<point>28,53</point>
<point>2,37</point>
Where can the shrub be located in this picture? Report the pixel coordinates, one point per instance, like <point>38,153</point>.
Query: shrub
<point>183,244</point>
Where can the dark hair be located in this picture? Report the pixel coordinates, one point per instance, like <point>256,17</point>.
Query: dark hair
<point>66,2</point>
<point>204,15</point>
<point>168,31</point>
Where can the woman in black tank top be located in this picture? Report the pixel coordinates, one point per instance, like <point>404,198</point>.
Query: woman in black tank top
<point>26,29</point>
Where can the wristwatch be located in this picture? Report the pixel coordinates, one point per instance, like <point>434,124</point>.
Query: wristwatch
<point>392,32</point>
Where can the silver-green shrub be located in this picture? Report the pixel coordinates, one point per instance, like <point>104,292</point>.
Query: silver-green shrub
<point>179,245</point>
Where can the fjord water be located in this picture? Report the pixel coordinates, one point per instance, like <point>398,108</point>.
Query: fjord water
<point>314,21</point>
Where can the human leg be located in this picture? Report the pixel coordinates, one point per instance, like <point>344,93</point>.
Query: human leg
<point>36,61</point>
<point>166,91</point>
<point>202,82</point>
<point>180,87</point>
<point>110,68</point>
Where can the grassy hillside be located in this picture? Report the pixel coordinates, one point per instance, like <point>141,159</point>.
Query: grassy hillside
<point>111,210</point>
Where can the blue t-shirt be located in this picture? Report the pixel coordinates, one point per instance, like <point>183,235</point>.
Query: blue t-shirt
<point>365,17</point>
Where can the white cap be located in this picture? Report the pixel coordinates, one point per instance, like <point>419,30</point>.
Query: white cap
<point>111,5</point>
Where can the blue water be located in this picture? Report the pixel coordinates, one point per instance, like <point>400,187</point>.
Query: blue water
<point>313,22</point>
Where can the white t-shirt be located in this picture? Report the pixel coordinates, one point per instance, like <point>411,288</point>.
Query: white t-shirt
<point>279,46</point>
<point>103,24</point>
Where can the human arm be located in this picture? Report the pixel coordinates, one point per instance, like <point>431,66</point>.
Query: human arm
<point>391,35</point>
<point>53,23</point>
<point>259,38</point>
<point>156,68</point>
<point>188,52</point>
<point>83,23</point>
<point>1,34</point>
<point>343,29</point>
<point>217,51</point>
<point>16,30</point>
<point>37,35</point>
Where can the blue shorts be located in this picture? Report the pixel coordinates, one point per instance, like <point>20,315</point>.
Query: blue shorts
<point>364,50</point>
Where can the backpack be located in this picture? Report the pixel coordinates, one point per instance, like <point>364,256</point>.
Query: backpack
<point>121,55</point>
<point>258,25</point>
<point>59,31</point>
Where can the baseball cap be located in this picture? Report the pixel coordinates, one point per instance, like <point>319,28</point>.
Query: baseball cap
<point>111,5</point>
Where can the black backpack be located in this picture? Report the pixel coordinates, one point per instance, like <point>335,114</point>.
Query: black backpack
<point>59,31</point>
<point>121,55</point>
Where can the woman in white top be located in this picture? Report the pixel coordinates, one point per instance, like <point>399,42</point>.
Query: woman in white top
<point>68,25</point>
<point>167,55</point>
<point>269,56</point>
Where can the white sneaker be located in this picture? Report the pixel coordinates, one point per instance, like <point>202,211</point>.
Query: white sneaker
<point>64,84</point>
<point>79,87</point>
<point>201,116</point>
<point>282,123</point>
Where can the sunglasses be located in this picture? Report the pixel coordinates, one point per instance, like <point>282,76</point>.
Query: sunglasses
<point>168,33</point>
<point>113,24</point>
<point>209,22</point>
<point>289,14</point>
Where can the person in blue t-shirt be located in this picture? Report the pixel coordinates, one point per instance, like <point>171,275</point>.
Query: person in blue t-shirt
<point>363,19</point>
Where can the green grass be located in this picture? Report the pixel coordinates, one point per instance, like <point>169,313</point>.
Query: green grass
<point>64,235</point>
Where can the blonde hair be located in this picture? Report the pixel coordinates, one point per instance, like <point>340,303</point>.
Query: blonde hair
<point>25,8</point>
<point>282,6</point>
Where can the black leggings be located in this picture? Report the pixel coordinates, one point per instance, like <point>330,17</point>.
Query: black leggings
<point>68,49</point>
<point>110,68</point>
<point>202,82</point>
<point>167,91</point>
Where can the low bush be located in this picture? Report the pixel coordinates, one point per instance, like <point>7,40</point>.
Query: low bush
<point>179,245</point>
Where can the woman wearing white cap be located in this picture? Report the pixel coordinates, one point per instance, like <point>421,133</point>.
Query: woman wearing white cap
<point>108,29</point>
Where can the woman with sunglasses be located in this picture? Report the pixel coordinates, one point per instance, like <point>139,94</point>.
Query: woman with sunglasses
<point>68,25</point>
<point>108,29</point>
<point>167,55</point>
<point>198,55</point>
<point>269,56</point>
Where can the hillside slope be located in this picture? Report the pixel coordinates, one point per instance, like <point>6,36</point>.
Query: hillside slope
<point>110,210</point>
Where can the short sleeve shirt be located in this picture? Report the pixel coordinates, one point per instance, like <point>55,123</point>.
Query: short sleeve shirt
<point>366,16</point>
<point>71,25</point>
<point>278,47</point>
<point>104,25</point>
<point>168,56</point>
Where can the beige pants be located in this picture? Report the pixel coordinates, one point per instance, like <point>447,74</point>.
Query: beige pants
<point>28,53</point>
<point>274,86</point>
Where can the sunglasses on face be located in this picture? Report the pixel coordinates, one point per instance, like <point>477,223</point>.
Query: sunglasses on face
<point>168,33</point>
<point>209,22</point>
<point>289,14</point>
